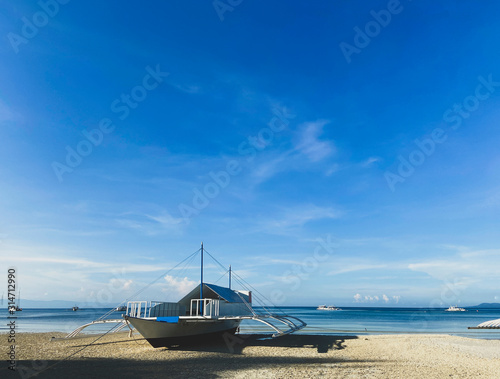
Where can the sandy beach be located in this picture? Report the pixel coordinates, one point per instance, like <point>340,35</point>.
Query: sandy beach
<point>294,356</point>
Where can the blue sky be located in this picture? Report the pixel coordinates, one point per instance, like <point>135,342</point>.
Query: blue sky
<point>331,152</point>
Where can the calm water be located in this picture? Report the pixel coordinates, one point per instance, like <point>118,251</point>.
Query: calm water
<point>347,321</point>
<point>57,320</point>
<point>395,320</point>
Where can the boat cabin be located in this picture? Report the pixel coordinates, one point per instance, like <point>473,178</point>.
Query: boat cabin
<point>217,302</point>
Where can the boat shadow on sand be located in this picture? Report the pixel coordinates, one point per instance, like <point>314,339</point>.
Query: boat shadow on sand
<point>224,358</point>
<point>235,344</point>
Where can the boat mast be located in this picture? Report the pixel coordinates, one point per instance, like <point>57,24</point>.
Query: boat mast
<point>201,285</point>
<point>229,276</point>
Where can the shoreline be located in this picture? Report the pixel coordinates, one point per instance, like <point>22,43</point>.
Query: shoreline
<point>247,356</point>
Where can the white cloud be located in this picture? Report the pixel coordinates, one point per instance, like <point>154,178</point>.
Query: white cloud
<point>333,169</point>
<point>307,150</point>
<point>298,216</point>
<point>357,267</point>
<point>121,284</point>
<point>187,88</point>
<point>181,286</point>
<point>269,167</point>
<point>151,224</point>
<point>465,266</point>
<point>358,298</point>
<point>5,113</point>
<point>370,161</point>
<point>309,143</point>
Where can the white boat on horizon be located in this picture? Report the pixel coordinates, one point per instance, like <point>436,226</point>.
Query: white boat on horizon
<point>328,308</point>
<point>455,309</point>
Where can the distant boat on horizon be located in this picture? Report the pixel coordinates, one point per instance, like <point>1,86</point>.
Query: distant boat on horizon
<point>455,309</point>
<point>75,308</point>
<point>328,308</point>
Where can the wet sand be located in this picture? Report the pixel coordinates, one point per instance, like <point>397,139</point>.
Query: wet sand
<point>293,356</point>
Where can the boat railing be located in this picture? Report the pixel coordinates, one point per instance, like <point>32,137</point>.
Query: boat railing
<point>165,309</point>
<point>137,309</point>
<point>205,307</point>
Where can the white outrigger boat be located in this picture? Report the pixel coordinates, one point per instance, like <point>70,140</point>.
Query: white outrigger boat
<point>207,312</point>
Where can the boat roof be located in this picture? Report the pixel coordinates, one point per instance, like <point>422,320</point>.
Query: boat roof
<point>212,291</point>
<point>493,324</point>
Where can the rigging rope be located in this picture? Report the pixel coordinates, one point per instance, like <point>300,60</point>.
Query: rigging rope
<point>150,284</point>
<point>239,279</point>
<point>190,257</point>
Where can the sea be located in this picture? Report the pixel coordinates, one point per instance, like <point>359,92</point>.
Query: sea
<point>347,321</point>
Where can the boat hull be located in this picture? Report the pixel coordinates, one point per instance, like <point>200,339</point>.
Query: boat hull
<point>161,334</point>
